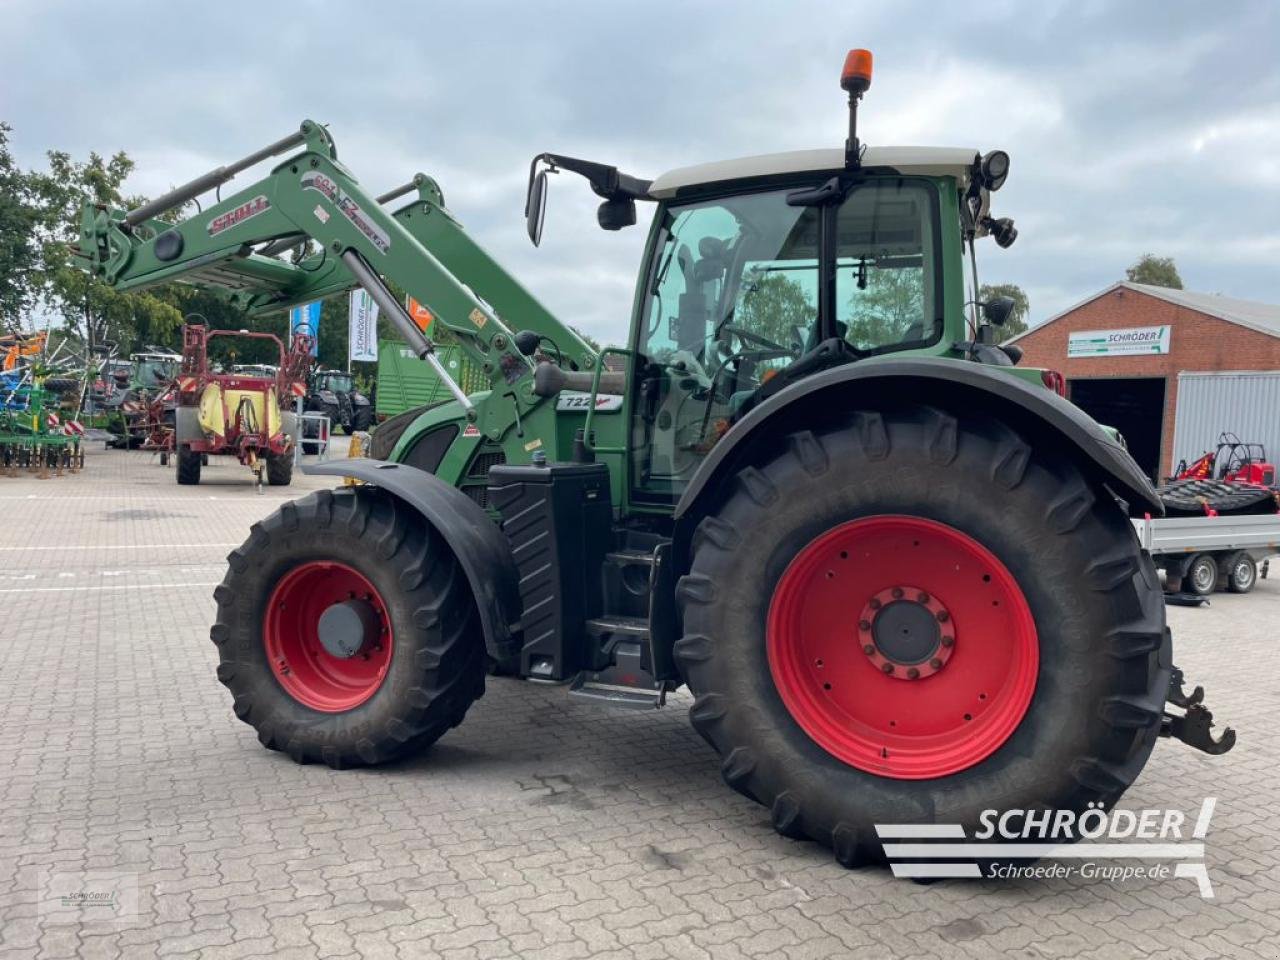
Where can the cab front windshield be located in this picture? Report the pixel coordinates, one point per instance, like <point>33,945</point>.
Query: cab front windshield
<point>733,300</point>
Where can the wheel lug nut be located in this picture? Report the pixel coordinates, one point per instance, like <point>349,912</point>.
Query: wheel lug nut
<point>864,624</point>
<point>875,603</point>
<point>935,663</point>
<point>922,597</point>
<point>948,641</point>
<point>912,673</point>
<point>943,616</point>
<point>869,649</point>
<point>887,668</point>
<point>897,593</point>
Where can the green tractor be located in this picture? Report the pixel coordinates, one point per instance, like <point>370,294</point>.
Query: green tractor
<point>895,569</point>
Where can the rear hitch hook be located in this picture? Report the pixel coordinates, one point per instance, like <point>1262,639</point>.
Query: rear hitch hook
<point>1194,726</point>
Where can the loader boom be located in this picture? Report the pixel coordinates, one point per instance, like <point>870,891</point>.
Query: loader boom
<point>233,247</point>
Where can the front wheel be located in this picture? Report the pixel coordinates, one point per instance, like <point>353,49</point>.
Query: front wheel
<point>346,631</point>
<point>1202,575</point>
<point>915,618</point>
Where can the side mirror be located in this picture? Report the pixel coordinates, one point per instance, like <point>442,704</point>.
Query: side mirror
<point>998,310</point>
<point>535,207</point>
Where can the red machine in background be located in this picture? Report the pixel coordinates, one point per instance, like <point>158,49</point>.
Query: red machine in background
<point>203,413</point>
<point>1235,478</point>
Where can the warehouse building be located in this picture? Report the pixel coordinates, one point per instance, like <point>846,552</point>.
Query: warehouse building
<point>1170,369</point>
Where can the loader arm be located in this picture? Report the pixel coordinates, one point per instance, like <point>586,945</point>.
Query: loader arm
<point>310,196</point>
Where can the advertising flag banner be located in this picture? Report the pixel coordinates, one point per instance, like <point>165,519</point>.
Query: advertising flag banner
<point>363,343</point>
<point>306,319</point>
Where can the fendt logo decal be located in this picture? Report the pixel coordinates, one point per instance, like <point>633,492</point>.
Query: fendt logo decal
<point>314,180</point>
<point>240,214</point>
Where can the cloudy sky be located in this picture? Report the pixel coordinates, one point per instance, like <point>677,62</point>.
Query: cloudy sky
<point>1132,126</point>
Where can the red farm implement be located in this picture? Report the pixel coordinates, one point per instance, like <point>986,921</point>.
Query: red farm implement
<point>231,414</point>
<point>1234,478</point>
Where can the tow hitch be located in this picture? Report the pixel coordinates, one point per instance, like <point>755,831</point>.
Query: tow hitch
<point>1193,725</point>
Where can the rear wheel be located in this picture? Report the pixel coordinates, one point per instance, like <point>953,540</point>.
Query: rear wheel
<point>346,631</point>
<point>362,418</point>
<point>280,470</point>
<point>1202,575</point>
<point>189,464</point>
<point>1242,573</point>
<point>915,618</point>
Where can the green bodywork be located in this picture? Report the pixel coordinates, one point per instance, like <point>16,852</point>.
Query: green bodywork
<point>426,252</point>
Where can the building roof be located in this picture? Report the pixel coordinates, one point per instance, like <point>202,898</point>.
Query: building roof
<point>1262,317</point>
<point>918,161</point>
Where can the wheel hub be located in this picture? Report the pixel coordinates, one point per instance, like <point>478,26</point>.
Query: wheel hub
<point>327,634</point>
<point>906,633</point>
<point>937,670</point>
<point>346,627</point>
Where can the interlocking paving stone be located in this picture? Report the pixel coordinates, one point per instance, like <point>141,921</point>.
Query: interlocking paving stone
<point>540,828</point>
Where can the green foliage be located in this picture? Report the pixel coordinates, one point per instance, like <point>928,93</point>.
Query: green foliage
<point>1155,271</point>
<point>773,305</point>
<point>96,313</point>
<point>19,256</point>
<point>1018,320</point>
<point>891,303</point>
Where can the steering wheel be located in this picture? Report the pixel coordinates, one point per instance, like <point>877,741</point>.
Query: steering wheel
<point>749,337</point>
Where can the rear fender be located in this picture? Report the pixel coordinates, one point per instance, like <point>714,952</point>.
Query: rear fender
<point>955,385</point>
<point>480,546</point>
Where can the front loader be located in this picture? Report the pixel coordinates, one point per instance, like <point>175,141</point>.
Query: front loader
<point>895,569</point>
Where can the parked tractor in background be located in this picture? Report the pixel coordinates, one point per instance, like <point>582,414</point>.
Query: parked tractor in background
<point>335,394</point>
<point>1234,479</point>
<point>236,414</point>
<point>895,569</point>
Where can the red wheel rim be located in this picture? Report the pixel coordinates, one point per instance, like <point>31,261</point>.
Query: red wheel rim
<point>307,671</point>
<point>902,647</point>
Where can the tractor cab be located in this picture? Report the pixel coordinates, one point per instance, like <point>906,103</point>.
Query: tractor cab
<point>765,270</point>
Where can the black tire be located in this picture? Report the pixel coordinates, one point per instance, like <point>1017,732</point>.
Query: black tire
<point>280,470</point>
<point>437,666</point>
<point>1202,575</point>
<point>1242,573</point>
<point>189,463</point>
<point>362,418</point>
<point>1104,653</point>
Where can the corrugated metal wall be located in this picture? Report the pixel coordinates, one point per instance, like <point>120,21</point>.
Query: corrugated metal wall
<point>1246,404</point>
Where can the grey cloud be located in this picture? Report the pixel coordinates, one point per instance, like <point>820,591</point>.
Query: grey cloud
<point>1132,127</point>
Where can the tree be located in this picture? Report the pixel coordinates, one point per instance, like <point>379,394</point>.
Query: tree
<point>91,309</point>
<point>1017,322</point>
<point>19,256</point>
<point>1155,271</point>
<point>886,308</point>
<point>773,306</point>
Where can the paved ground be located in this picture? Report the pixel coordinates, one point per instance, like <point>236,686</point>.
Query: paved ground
<point>540,828</point>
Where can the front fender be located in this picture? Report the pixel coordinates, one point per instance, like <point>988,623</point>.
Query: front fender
<point>957,385</point>
<point>481,548</point>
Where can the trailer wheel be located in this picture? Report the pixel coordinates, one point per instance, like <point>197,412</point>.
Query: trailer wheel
<point>914,618</point>
<point>347,632</point>
<point>1242,573</point>
<point>1202,575</point>
<point>189,463</point>
<point>280,470</point>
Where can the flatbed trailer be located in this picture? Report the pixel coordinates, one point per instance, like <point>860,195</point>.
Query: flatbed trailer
<point>1205,554</point>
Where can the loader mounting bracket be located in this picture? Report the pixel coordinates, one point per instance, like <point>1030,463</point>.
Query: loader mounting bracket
<point>1194,726</point>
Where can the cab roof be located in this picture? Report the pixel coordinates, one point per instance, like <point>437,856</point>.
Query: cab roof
<point>918,161</point>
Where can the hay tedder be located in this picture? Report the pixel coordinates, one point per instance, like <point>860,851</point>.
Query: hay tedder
<point>204,413</point>
<point>34,435</point>
<point>895,569</point>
